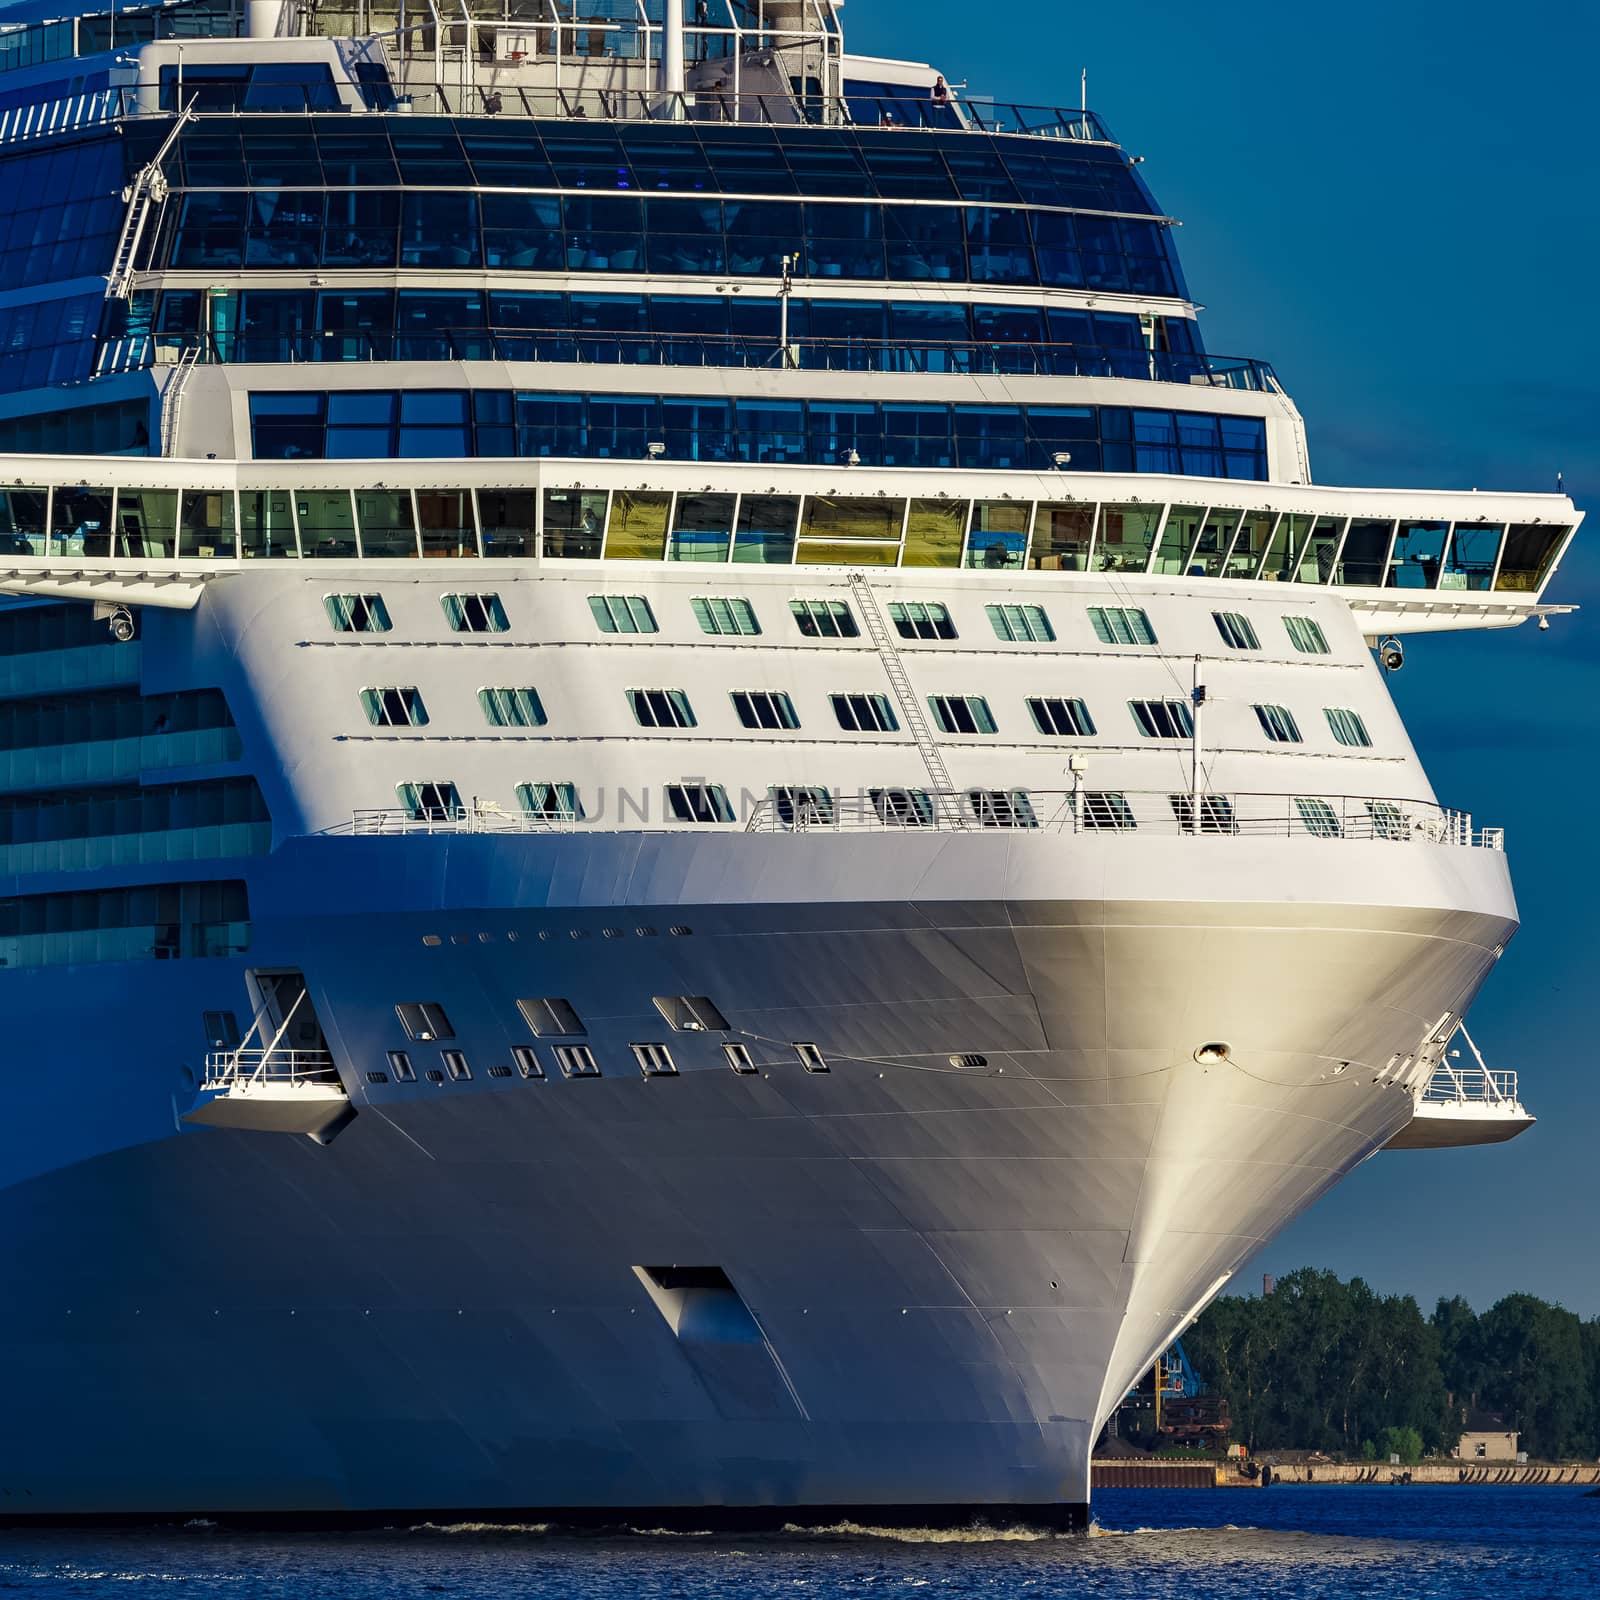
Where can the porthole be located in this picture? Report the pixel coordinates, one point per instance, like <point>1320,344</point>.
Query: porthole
<point>431,939</point>
<point>967,1061</point>
<point>679,931</point>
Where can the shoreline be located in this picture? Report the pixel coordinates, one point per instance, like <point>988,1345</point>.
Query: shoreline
<point>1154,1473</point>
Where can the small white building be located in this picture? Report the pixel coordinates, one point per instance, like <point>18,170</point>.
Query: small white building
<point>1486,1438</point>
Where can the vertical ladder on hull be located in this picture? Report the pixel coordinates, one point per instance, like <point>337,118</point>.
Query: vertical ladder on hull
<point>148,188</point>
<point>899,680</point>
<point>172,397</point>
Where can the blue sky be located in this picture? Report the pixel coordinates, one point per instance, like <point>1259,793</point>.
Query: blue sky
<point>1398,204</point>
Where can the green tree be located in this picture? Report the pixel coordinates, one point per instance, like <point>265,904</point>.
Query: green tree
<point>1403,1442</point>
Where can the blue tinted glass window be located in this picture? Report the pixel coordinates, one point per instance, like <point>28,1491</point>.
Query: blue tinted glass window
<point>917,436</point>
<point>837,427</point>
<point>439,230</point>
<point>698,430</point>
<point>361,229</point>
<point>1057,242</point>
<point>999,249</point>
<point>523,231</point>
<point>362,405</point>
<point>989,436</point>
<point>623,427</point>
<point>925,242</point>
<point>550,425</point>
<point>771,430</point>
<point>760,233</point>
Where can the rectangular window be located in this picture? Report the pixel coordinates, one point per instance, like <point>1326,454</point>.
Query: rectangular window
<point>962,713</point>
<point>1278,723</point>
<point>512,708</point>
<point>357,613</point>
<point>1021,623</point>
<point>1062,719</point>
<point>1306,636</point>
<point>474,613</point>
<point>699,802</point>
<point>1348,728</point>
<point>623,613</point>
<point>1388,822</point>
<point>864,713</point>
<point>1106,809</point>
<point>725,616</point>
<point>576,1061</point>
<point>1163,719</point>
<point>1318,817</point>
<point>691,1013</point>
<point>1236,631</point>
<point>431,802</point>
<point>903,808</point>
<point>661,708</point>
<point>555,802</point>
<point>810,1057</point>
<point>764,708</point>
<point>1216,813</point>
<point>424,1020</point>
<point>400,1066</point>
<point>655,1060</point>
<point>824,619</point>
<point>738,1057</point>
<point>802,807</point>
<point>1002,808</point>
<point>1121,625</point>
<point>552,1017</point>
<point>915,620</point>
<point>394,708</point>
<point>527,1060</point>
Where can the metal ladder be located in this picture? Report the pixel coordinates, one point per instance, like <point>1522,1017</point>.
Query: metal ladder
<point>148,188</point>
<point>895,668</point>
<point>172,397</point>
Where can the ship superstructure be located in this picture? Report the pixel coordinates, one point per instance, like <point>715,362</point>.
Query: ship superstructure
<point>698,821</point>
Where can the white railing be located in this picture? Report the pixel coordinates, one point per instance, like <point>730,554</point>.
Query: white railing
<point>1453,1085</point>
<point>1126,811</point>
<point>234,1069</point>
<point>457,819</point>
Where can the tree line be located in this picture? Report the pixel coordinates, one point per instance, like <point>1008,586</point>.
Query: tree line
<point>1321,1364</point>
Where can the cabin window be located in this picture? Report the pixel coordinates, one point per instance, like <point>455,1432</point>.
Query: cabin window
<point>764,708</point>
<point>357,613</point>
<point>576,1061</point>
<point>824,619</point>
<point>554,802</point>
<point>400,1065</point>
<point>914,620</point>
<point>661,708</point>
<point>1347,727</point>
<point>527,1061</point>
<point>1306,636</point>
<point>431,802</point>
<point>1107,809</point>
<point>455,1063</point>
<point>474,613</point>
<point>1163,719</point>
<point>1318,817</point>
<point>512,708</point>
<point>738,1057</point>
<point>811,1057</point>
<point>1019,624</point>
<point>903,808</point>
<point>1236,630</point>
<point>725,616</point>
<point>655,1060</point>
<point>1121,625</point>
<point>1002,808</point>
<point>699,803</point>
<point>394,708</point>
<point>1278,723</point>
<point>1215,813</point>
<point>802,806</point>
<point>623,613</point>
<point>691,1013</point>
<point>864,713</point>
<point>1061,719</point>
<point>962,713</point>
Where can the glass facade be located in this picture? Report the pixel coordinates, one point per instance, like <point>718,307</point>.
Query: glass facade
<point>109,735</point>
<point>270,325</point>
<point>361,424</point>
<point>162,922</point>
<point>80,829</point>
<point>48,341</point>
<point>63,208</point>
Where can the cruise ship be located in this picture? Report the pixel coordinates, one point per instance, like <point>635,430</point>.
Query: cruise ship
<point>699,824</point>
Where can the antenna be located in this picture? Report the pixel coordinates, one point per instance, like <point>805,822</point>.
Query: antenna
<point>1083,91</point>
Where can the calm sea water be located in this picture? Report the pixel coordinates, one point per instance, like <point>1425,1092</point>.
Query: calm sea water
<point>1424,1543</point>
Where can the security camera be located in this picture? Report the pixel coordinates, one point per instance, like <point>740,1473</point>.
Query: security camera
<point>119,619</point>
<point>1390,656</point>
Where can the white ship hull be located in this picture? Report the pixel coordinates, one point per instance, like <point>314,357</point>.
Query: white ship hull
<point>955,1273</point>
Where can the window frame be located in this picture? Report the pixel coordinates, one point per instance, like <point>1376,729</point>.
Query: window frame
<point>825,619</point>
<point>1145,718</point>
<point>844,699</point>
<point>492,612</point>
<point>635,610</point>
<point>1074,709</point>
<point>778,700</point>
<point>376,704</point>
<point>924,621</point>
<point>1004,625</point>
<point>1362,739</point>
<point>738,610</point>
<point>377,613</point>
<point>1278,724</point>
<point>678,699</point>
<point>1107,631</point>
<point>1306,635</point>
<point>1237,630</point>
